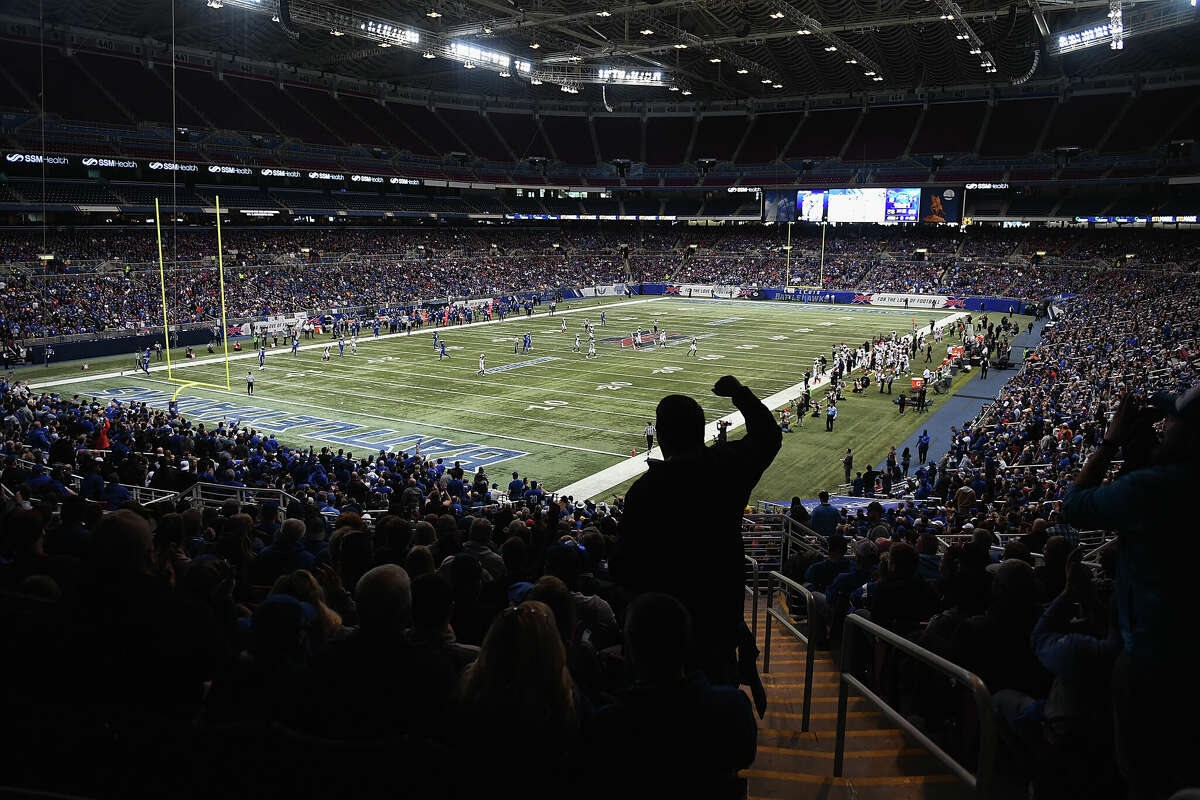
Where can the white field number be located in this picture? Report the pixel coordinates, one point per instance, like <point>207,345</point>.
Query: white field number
<point>614,386</point>
<point>547,405</point>
<point>667,370</point>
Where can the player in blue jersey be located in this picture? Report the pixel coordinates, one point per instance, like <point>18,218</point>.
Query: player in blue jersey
<point>376,327</point>
<point>262,357</point>
<point>443,354</point>
<point>146,361</point>
<point>295,344</point>
<point>435,340</point>
<point>603,319</point>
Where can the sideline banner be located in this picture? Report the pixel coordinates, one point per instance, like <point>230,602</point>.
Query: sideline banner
<point>1004,305</point>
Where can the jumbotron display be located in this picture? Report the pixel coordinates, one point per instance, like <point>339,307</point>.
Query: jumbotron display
<point>870,204</point>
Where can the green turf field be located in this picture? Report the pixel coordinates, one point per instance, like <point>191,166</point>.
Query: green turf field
<point>550,414</point>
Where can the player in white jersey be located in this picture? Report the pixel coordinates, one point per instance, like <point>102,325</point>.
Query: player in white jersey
<point>637,338</point>
<point>325,355</point>
<point>692,347</point>
<point>656,326</point>
<point>575,349</point>
<point>354,346</point>
<point>591,348</point>
<point>564,324</point>
<point>662,338</point>
<point>481,364</point>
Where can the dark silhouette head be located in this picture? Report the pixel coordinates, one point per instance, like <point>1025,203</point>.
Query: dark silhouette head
<point>679,422</point>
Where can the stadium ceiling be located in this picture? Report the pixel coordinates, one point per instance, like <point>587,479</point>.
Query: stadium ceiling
<point>719,49</point>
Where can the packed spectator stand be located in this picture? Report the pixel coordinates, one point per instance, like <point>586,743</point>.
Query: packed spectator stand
<point>107,279</point>
<point>211,577</point>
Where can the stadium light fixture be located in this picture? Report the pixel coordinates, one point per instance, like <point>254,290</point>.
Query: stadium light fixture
<point>877,78</point>
<point>679,46</point>
<point>433,13</point>
<point>468,65</point>
<point>336,33</point>
<point>851,60</point>
<point>505,74</point>
<point>215,4</point>
<point>776,85</point>
<point>428,54</point>
<point>832,48</point>
<point>534,45</point>
<point>686,92</point>
<point>743,71</point>
<point>535,82</point>
<point>384,45</point>
<point>647,32</point>
<point>603,14</point>
<point>869,73</point>
<point>804,32</point>
<point>766,80</point>
<point>777,15</point>
<point>672,88</point>
<point>714,60</point>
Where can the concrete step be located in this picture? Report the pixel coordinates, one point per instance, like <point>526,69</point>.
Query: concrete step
<point>783,785</point>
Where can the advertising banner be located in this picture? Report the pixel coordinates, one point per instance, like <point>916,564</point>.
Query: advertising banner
<point>941,204</point>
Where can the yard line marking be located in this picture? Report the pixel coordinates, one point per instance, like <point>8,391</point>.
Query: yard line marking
<point>351,379</point>
<point>321,345</point>
<point>344,411</point>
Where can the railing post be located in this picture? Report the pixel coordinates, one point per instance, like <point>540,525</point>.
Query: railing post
<point>839,748</point>
<point>754,605</point>
<point>810,653</point>
<point>987,741</point>
<point>767,634</point>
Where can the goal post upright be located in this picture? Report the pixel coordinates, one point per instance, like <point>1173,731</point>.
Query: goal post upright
<point>221,282</point>
<point>162,282</point>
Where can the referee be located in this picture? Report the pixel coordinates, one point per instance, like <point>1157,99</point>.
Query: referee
<point>649,438</point>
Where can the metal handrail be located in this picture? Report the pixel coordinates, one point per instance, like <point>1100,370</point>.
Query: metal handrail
<point>752,589</point>
<point>808,639</point>
<point>980,781</point>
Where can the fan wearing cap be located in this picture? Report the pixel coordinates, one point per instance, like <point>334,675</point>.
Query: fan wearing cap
<point>1155,596</point>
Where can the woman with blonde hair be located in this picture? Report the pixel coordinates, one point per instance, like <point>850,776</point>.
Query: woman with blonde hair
<point>518,693</point>
<point>303,586</point>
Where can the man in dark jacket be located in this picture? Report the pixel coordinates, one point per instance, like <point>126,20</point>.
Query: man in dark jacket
<point>715,733</point>
<point>682,529</point>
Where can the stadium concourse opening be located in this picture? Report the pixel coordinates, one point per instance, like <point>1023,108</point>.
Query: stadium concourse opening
<point>667,400</point>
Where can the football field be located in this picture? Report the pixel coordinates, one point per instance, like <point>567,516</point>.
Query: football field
<point>549,413</point>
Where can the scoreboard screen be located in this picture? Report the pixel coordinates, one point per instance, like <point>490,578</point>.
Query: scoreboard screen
<point>856,205</point>
<point>901,205</point>
<point>810,205</point>
<point>869,204</point>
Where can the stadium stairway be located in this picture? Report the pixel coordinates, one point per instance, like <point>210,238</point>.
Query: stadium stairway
<point>881,762</point>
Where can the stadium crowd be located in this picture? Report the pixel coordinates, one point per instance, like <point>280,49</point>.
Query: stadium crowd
<point>982,564</point>
<point>274,272</point>
<point>389,604</point>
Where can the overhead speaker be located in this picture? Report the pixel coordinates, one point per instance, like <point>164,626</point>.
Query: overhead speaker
<point>285,20</point>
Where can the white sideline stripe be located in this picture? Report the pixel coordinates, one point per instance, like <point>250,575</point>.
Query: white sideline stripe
<point>179,365</point>
<point>628,468</point>
<point>344,412</point>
